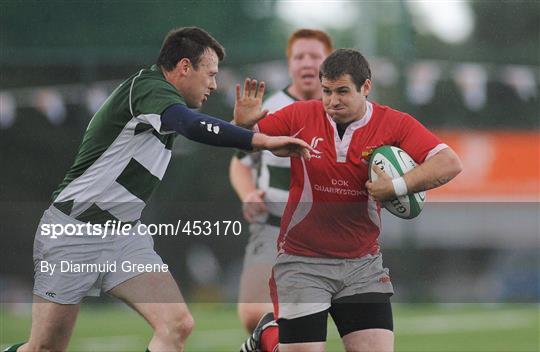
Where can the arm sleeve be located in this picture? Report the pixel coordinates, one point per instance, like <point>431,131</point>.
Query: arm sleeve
<point>416,139</point>
<point>204,128</point>
<point>278,123</point>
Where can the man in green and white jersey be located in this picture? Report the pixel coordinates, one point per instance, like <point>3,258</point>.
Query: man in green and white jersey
<point>265,195</point>
<point>123,157</point>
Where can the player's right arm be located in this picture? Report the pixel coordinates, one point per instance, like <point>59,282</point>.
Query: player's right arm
<point>210,130</point>
<point>242,180</point>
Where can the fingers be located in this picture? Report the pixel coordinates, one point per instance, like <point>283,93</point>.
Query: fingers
<point>379,172</point>
<point>253,206</point>
<point>238,92</point>
<point>252,89</point>
<point>306,154</point>
<point>260,90</point>
<point>247,84</point>
<point>369,186</point>
<point>247,216</point>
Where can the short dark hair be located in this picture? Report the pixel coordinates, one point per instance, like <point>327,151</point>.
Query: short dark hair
<point>187,42</point>
<point>346,61</point>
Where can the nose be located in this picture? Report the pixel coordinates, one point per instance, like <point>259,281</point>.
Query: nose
<point>334,100</point>
<point>213,84</point>
<point>307,62</point>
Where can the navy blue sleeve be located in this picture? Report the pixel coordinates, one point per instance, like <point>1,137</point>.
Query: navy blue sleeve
<point>204,128</point>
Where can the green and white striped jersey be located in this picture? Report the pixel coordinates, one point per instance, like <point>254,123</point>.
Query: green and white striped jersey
<point>124,152</point>
<point>272,172</point>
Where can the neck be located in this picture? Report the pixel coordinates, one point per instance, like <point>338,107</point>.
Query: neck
<point>300,95</point>
<point>169,77</point>
<point>172,79</point>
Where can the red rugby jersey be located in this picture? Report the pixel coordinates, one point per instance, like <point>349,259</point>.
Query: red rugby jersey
<point>329,213</point>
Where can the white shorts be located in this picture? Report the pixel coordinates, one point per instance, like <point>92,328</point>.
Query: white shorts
<point>262,246</point>
<point>302,286</point>
<point>70,281</point>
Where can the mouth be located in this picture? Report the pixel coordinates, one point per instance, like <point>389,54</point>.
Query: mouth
<point>308,77</point>
<point>336,109</point>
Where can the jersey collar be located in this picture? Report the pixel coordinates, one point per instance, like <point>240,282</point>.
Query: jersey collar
<point>342,144</point>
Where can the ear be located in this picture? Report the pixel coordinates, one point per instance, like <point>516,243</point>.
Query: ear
<point>183,66</point>
<point>366,87</point>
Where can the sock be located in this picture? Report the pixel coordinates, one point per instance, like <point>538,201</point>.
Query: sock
<point>270,339</point>
<point>14,347</point>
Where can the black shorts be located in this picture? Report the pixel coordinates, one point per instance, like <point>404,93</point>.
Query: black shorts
<point>351,313</point>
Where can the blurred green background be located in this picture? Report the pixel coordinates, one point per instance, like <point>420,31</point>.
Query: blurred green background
<point>455,65</point>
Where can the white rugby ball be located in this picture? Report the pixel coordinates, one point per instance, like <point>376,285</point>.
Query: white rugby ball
<point>395,162</point>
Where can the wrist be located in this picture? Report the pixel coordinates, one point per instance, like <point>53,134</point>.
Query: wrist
<point>259,141</point>
<point>400,186</point>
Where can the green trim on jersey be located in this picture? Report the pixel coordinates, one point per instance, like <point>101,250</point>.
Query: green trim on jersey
<point>124,142</point>
<point>95,215</point>
<point>286,92</point>
<point>138,180</point>
<point>167,139</point>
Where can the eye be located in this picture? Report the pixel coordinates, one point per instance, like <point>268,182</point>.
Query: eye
<point>327,91</point>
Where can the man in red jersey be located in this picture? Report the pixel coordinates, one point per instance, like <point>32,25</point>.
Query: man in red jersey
<point>262,180</point>
<point>328,253</point>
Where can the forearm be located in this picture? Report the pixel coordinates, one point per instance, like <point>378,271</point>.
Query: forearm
<point>241,178</point>
<point>434,172</point>
<point>206,129</point>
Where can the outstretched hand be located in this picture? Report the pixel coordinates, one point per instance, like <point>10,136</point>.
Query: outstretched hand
<point>248,103</point>
<point>283,146</point>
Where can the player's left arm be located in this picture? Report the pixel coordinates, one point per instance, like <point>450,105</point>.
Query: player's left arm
<point>434,172</point>
<point>440,163</point>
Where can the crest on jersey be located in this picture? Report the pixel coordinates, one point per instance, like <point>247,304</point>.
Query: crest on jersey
<point>366,154</point>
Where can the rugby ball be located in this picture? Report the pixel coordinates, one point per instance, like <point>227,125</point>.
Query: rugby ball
<point>395,162</point>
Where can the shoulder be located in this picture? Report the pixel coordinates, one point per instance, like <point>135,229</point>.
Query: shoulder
<point>388,113</point>
<point>309,105</point>
<point>303,108</point>
<point>152,77</point>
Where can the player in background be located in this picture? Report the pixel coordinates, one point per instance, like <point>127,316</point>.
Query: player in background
<point>123,156</point>
<point>265,195</point>
<point>329,258</point>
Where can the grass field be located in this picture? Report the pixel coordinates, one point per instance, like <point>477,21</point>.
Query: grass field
<point>466,327</point>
